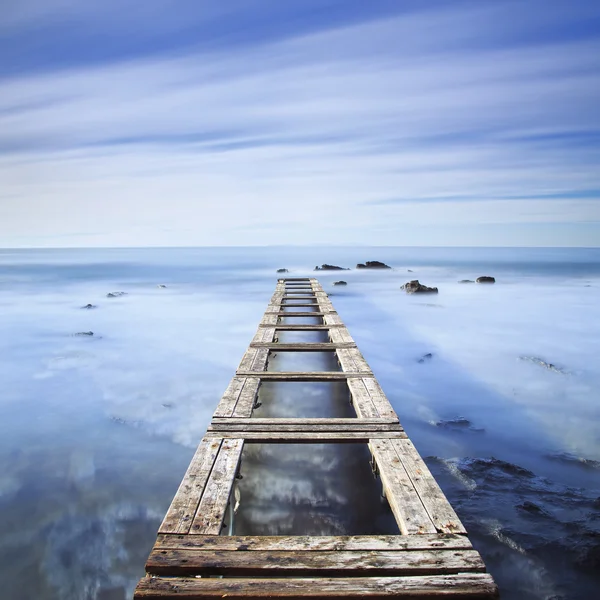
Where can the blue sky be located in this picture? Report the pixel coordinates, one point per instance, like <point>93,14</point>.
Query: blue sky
<point>192,122</point>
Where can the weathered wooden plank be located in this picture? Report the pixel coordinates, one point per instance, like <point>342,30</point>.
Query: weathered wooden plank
<point>346,361</point>
<point>436,504</point>
<point>248,359</point>
<point>361,399</point>
<point>189,561</point>
<point>269,319</point>
<point>264,335</point>
<point>411,516</point>
<point>310,437</point>
<point>289,327</point>
<point>332,319</point>
<point>371,429</point>
<point>302,347</point>
<point>340,335</point>
<point>303,543</point>
<point>379,399</point>
<point>183,507</point>
<point>359,360</point>
<point>230,398</point>
<point>300,375</point>
<point>276,422</point>
<point>463,586</point>
<point>213,504</point>
<point>246,399</point>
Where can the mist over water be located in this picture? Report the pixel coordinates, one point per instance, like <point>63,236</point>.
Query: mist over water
<point>497,385</point>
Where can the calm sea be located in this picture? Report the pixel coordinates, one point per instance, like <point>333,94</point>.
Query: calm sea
<point>96,431</point>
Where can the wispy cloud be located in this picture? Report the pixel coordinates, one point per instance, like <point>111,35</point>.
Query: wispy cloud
<point>340,124</point>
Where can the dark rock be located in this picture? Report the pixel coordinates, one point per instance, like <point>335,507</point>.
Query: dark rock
<point>161,285</point>
<point>326,267</point>
<point>410,270</point>
<point>466,281</point>
<point>282,271</point>
<point>372,264</point>
<point>116,294</point>
<point>425,357</point>
<point>340,283</point>
<point>532,508</point>
<point>414,287</point>
<point>85,333</point>
<point>458,424</point>
<point>485,279</point>
<point>579,461</point>
<point>89,306</point>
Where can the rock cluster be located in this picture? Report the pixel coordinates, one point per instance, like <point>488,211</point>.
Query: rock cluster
<point>372,264</point>
<point>340,283</point>
<point>326,267</point>
<point>414,287</point>
<point>282,270</point>
<point>485,279</point>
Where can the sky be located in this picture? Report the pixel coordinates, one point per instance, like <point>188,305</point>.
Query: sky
<point>201,123</point>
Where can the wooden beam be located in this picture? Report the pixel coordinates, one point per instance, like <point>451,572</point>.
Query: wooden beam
<point>301,347</point>
<point>305,543</point>
<point>189,561</point>
<point>300,375</point>
<point>465,586</point>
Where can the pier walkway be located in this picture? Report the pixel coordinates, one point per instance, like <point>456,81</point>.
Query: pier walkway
<point>194,557</point>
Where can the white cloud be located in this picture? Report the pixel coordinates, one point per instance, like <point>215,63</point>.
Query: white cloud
<point>290,134</point>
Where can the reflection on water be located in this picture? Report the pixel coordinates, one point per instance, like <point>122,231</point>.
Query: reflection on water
<point>318,336</point>
<point>310,489</point>
<point>292,309</point>
<point>315,399</point>
<point>302,361</point>
<point>301,320</point>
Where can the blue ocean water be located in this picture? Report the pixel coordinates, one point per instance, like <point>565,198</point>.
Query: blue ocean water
<point>97,431</point>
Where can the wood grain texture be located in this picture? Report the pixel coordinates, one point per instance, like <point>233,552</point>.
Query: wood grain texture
<point>300,375</point>
<point>361,399</point>
<point>411,516</point>
<point>309,437</point>
<point>309,543</point>
<point>439,509</point>
<point>190,561</point>
<point>462,586</point>
<point>213,504</point>
<point>183,507</point>
<point>302,347</point>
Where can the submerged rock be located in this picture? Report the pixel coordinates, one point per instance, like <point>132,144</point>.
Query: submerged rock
<point>282,271</point>
<point>414,287</point>
<point>532,508</point>
<point>543,363</point>
<point>116,294</point>
<point>161,285</point>
<point>425,357</point>
<point>458,424</point>
<point>485,279</point>
<point>372,264</point>
<point>410,270</point>
<point>466,281</point>
<point>89,306</point>
<point>340,283</point>
<point>579,461</point>
<point>88,333</point>
<point>326,267</point>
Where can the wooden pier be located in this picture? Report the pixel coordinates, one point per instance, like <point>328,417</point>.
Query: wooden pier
<point>194,558</point>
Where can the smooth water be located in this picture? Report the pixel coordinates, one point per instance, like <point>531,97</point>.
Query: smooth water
<point>97,431</point>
